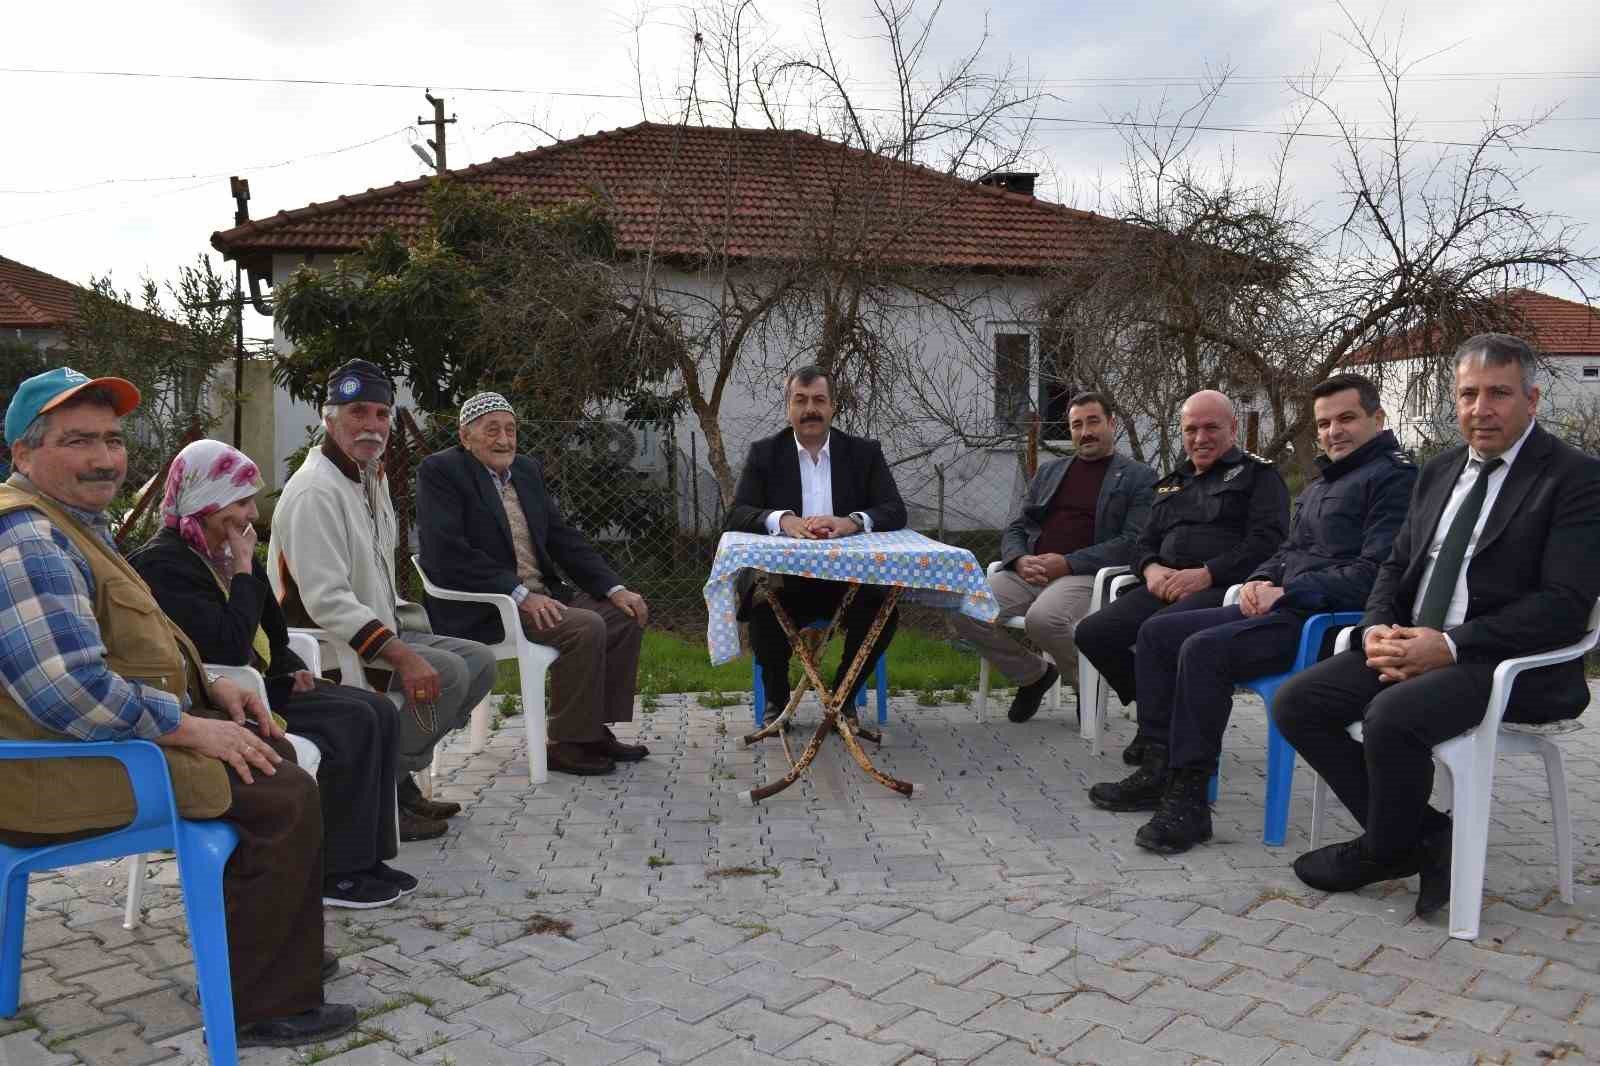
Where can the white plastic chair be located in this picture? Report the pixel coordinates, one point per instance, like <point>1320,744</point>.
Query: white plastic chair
<point>1015,621</point>
<point>1109,583</point>
<point>533,663</point>
<point>305,753</point>
<point>1469,759</point>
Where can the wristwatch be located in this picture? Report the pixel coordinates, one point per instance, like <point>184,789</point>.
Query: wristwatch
<point>212,678</point>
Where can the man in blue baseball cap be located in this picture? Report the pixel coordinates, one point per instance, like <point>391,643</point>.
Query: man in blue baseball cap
<point>86,654</point>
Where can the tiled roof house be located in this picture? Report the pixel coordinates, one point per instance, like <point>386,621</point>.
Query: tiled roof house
<point>686,195</point>
<point>34,305</point>
<point>683,191</point>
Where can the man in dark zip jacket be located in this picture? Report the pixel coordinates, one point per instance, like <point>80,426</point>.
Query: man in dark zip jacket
<point>1188,663</point>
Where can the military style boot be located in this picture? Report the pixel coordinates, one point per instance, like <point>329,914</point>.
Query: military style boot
<point>1184,817</point>
<point>1139,791</point>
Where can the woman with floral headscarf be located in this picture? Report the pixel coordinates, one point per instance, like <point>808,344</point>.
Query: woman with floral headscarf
<point>203,571</point>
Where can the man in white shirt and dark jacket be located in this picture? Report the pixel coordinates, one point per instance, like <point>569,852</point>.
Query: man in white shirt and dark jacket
<point>812,481</point>
<point>1495,560</point>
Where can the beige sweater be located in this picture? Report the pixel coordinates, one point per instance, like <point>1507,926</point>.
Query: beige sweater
<point>331,556</point>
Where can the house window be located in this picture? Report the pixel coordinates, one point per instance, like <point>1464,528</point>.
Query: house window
<point>1013,366</point>
<point>1416,402</point>
<point>1056,389</point>
<point>1028,381</point>
<point>1591,373</point>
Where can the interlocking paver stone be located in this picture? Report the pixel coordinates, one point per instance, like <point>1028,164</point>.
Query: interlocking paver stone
<point>998,919</point>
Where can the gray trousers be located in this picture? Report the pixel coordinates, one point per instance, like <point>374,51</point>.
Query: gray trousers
<point>466,674</point>
<point>1051,614</point>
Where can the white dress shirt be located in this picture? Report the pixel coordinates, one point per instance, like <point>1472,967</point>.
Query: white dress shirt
<point>1456,613</point>
<point>816,489</point>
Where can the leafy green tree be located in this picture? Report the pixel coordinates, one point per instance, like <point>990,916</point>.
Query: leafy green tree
<point>167,341</point>
<point>491,294</point>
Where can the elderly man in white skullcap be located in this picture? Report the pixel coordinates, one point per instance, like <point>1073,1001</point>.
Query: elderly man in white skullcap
<point>487,523</point>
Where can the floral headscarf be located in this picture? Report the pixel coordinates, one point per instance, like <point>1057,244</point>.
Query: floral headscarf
<point>205,477</point>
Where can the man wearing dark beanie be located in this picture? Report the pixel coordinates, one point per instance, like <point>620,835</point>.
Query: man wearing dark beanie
<point>331,563</point>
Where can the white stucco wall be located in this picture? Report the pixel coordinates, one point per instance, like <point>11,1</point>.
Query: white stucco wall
<point>981,486</point>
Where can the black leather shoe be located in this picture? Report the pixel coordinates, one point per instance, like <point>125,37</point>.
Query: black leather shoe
<point>1434,893</point>
<point>1345,867</point>
<point>1025,704</point>
<point>309,1027</point>
<point>1139,791</point>
<point>621,752</point>
<point>1133,754</point>
<point>1184,817</point>
<point>584,760</point>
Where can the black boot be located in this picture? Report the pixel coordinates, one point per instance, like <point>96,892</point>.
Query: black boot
<point>1133,754</point>
<point>1184,817</point>
<point>1026,702</point>
<point>1139,791</point>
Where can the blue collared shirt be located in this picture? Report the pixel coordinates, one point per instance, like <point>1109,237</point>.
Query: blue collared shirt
<point>52,660</point>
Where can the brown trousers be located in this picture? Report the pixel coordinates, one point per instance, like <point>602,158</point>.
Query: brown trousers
<point>593,683</point>
<point>272,889</point>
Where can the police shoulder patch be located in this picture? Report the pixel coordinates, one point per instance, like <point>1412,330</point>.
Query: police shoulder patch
<point>1235,472</point>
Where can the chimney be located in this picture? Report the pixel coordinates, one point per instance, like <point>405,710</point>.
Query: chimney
<point>1020,181</point>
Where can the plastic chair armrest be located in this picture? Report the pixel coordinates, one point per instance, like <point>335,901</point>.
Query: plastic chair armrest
<point>1315,628</point>
<point>306,647</point>
<point>510,624</point>
<point>154,804</point>
<point>1232,597</point>
<point>246,677</point>
<point>1341,643</point>
<point>1506,673</point>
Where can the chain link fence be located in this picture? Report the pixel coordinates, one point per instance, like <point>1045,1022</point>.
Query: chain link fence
<point>649,502</point>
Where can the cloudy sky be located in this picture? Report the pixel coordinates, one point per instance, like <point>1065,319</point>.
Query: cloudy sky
<point>128,175</point>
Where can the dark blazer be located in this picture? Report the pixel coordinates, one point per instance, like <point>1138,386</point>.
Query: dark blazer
<point>1531,582</point>
<point>1120,512</point>
<point>221,627</point>
<point>466,541</point>
<point>771,482</point>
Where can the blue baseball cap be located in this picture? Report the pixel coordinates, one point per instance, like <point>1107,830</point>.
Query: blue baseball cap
<point>44,391</point>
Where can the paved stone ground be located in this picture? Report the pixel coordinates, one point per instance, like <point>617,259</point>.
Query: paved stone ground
<point>649,917</point>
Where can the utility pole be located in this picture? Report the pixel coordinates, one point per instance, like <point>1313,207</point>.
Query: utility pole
<point>240,187</point>
<point>438,122</point>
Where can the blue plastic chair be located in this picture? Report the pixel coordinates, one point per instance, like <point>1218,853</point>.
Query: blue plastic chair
<point>202,848</point>
<point>880,681</point>
<point>1280,756</point>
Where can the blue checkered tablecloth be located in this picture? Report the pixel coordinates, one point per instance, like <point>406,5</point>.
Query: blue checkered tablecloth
<point>931,573</point>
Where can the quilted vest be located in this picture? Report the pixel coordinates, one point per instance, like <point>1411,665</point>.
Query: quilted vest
<point>142,644</point>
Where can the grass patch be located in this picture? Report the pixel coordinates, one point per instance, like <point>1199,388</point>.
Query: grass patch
<point>655,862</point>
<point>742,871</point>
<point>713,700</point>
<point>544,925</point>
<point>670,663</point>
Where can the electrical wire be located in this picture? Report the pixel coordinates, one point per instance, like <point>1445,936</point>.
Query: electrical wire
<point>205,177</point>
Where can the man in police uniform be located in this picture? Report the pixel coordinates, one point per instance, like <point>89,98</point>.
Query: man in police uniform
<point>1187,664</point>
<point>1215,519</point>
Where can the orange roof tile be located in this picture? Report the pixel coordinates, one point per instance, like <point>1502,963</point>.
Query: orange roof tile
<point>1552,325</point>
<point>32,299</point>
<point>670,188</point>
